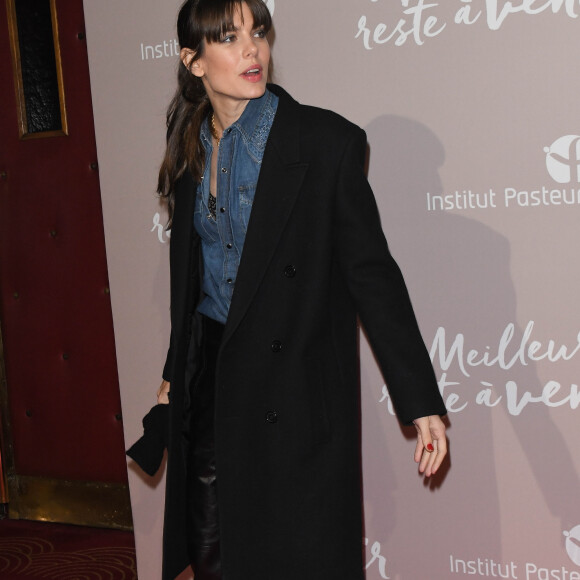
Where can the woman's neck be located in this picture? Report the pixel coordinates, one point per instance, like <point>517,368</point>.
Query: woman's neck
<point>225,115</point>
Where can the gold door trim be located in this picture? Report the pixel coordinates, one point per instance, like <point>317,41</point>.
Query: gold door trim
<point>84,503</point>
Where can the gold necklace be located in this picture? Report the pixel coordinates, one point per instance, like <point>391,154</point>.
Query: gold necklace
<point>214,130</point>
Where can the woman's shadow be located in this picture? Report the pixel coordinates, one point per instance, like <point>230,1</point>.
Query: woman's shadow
<point>458,273</point>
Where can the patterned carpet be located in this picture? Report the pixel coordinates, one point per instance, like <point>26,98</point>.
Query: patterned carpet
<point>37,550</point>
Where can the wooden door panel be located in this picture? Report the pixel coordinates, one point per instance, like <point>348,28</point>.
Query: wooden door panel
<point>62,417</point>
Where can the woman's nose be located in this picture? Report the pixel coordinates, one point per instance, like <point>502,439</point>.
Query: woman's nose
<point>251,49</point>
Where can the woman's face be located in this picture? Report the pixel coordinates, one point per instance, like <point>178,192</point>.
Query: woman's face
<point>234,69</point>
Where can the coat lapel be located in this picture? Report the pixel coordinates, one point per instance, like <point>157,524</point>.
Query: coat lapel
<point>280,179</point>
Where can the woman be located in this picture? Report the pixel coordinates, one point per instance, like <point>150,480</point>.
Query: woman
<point>263,471</point>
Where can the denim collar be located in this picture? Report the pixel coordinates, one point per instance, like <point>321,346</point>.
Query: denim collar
<point>253,125</point>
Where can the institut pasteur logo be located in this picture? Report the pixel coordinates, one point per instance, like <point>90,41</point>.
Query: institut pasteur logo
<point>573,544</point>
<point>563,159</point>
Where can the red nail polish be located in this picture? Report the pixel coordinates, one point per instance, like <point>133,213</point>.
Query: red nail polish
<point>430,448</point>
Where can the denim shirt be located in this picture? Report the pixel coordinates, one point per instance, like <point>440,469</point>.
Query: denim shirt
<point>239,160</point>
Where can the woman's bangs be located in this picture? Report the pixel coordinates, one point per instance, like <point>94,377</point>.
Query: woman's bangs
<point>219,17</point>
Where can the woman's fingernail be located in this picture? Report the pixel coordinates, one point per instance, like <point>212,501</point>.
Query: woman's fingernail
<point>430,448</point>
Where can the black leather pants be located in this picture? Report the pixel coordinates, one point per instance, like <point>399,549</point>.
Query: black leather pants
<point>202,508</point>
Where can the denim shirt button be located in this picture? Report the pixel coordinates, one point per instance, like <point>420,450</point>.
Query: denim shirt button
<point>222,210</point>
<point>229,246</point>
<point>224,169</point>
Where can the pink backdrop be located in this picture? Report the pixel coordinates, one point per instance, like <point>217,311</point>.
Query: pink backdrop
<point>471,112</point>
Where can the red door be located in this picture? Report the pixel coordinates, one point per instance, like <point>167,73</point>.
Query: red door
<point>63,450</point>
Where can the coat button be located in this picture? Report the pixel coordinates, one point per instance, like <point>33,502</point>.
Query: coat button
<point>289,271</point>
<point>271,417</point>
<point>276,346</point>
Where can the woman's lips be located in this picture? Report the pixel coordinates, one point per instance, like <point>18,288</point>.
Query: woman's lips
<point>253,74</point>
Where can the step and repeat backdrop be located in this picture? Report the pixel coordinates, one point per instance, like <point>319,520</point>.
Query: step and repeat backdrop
<point>471,112</point>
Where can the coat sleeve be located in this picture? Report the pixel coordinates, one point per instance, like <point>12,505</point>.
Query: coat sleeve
<point>379,292</point>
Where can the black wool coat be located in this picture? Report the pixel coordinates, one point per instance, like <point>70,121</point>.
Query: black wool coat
<point>287,400</point>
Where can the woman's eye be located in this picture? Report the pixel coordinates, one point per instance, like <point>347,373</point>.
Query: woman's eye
<point>260,33</point>
<point>228,38</point>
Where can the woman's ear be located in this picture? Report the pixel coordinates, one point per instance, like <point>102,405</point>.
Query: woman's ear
<point>187,57</point>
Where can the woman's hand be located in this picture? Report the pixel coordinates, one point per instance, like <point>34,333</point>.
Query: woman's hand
<point>431,444</point>
<point>163,393</point>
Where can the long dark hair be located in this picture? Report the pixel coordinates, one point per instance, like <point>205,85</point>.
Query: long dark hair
<point>199,21</point>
